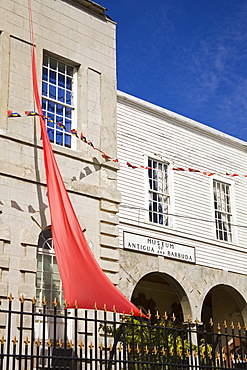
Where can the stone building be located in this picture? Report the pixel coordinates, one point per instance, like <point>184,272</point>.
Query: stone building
<point>182,234</point>
<point>76,67</point>
<point>183,231</point>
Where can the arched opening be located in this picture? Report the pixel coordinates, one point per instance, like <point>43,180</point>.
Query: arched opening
<point>48,282</point>
<point>159,292</point>
<point>221,303</point>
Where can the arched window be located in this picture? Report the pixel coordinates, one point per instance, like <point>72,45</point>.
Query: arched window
<point>48,283</point>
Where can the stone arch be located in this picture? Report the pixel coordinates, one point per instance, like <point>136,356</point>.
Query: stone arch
<point>161,292</point>
<point>224,302</point>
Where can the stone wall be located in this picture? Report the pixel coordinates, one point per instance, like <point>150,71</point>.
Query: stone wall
<point>80,33</point>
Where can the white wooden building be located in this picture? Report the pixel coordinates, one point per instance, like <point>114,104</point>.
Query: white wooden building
<point>183,229</point>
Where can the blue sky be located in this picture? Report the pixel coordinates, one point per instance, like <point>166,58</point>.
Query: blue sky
<point>188,56</point>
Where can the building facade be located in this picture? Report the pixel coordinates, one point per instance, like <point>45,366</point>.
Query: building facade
<point>169,228</point>
<point>76,68</point>
<point>182,216</point>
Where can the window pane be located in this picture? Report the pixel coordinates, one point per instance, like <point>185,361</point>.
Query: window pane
<point>45,60</point>
<point>52,92</point>
<point>67,140</point>
<point>53,77</point>
<point>68,112</point>
<point>44,88</point>
<point>50,134</point>
<point>47,262</point>
<point>55,267</point>
<point>59,109</point>
<point>43,104</point>
<point>51,106</point>
<point>45,74</point>
<point>61,80</point>
<point>61,95</point>
<point>68,97</point>
<point>68,125</point>
<point>39,263</point>
<point>68,83</point>
<point>69,70</point>
<point>59,138</point>
<point>53,64</point>
<point>61,67</point>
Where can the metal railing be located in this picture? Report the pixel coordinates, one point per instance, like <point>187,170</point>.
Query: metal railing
<point>34,337</point>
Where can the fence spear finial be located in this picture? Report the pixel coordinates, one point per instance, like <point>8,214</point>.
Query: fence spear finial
<point>218,328</point>
<point>165,316</point>
<point>14,341</point>
<point>22,299</point>
<point>173,317</point>
<point>38,342</point>
<point>80,345</point>
<point>70,344</point>
<point>26,341</point>
<point>110,347</point>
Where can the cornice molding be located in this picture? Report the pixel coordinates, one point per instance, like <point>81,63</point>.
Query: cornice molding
<point>179,119</point>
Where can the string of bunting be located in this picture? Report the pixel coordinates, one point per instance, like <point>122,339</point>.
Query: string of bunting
<point>12,114</point>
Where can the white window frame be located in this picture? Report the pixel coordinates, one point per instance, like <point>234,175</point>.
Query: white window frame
<point>229,183</point>
<point>53,127</point>
<point>169,194</point>
<point>44,249</point>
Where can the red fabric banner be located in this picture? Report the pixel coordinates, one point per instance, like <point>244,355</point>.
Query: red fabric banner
<point>83,280</point>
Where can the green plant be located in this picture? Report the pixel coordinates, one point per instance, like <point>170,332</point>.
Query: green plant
<point>149,346</point>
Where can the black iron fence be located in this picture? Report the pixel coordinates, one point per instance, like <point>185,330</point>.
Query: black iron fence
<point>43,338</point>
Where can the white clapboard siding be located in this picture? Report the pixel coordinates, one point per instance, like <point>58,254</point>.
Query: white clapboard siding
<point>209,255</point>
<point>146,130</point>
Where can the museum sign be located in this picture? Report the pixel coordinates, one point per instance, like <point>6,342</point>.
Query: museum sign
<point>158,247</point>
